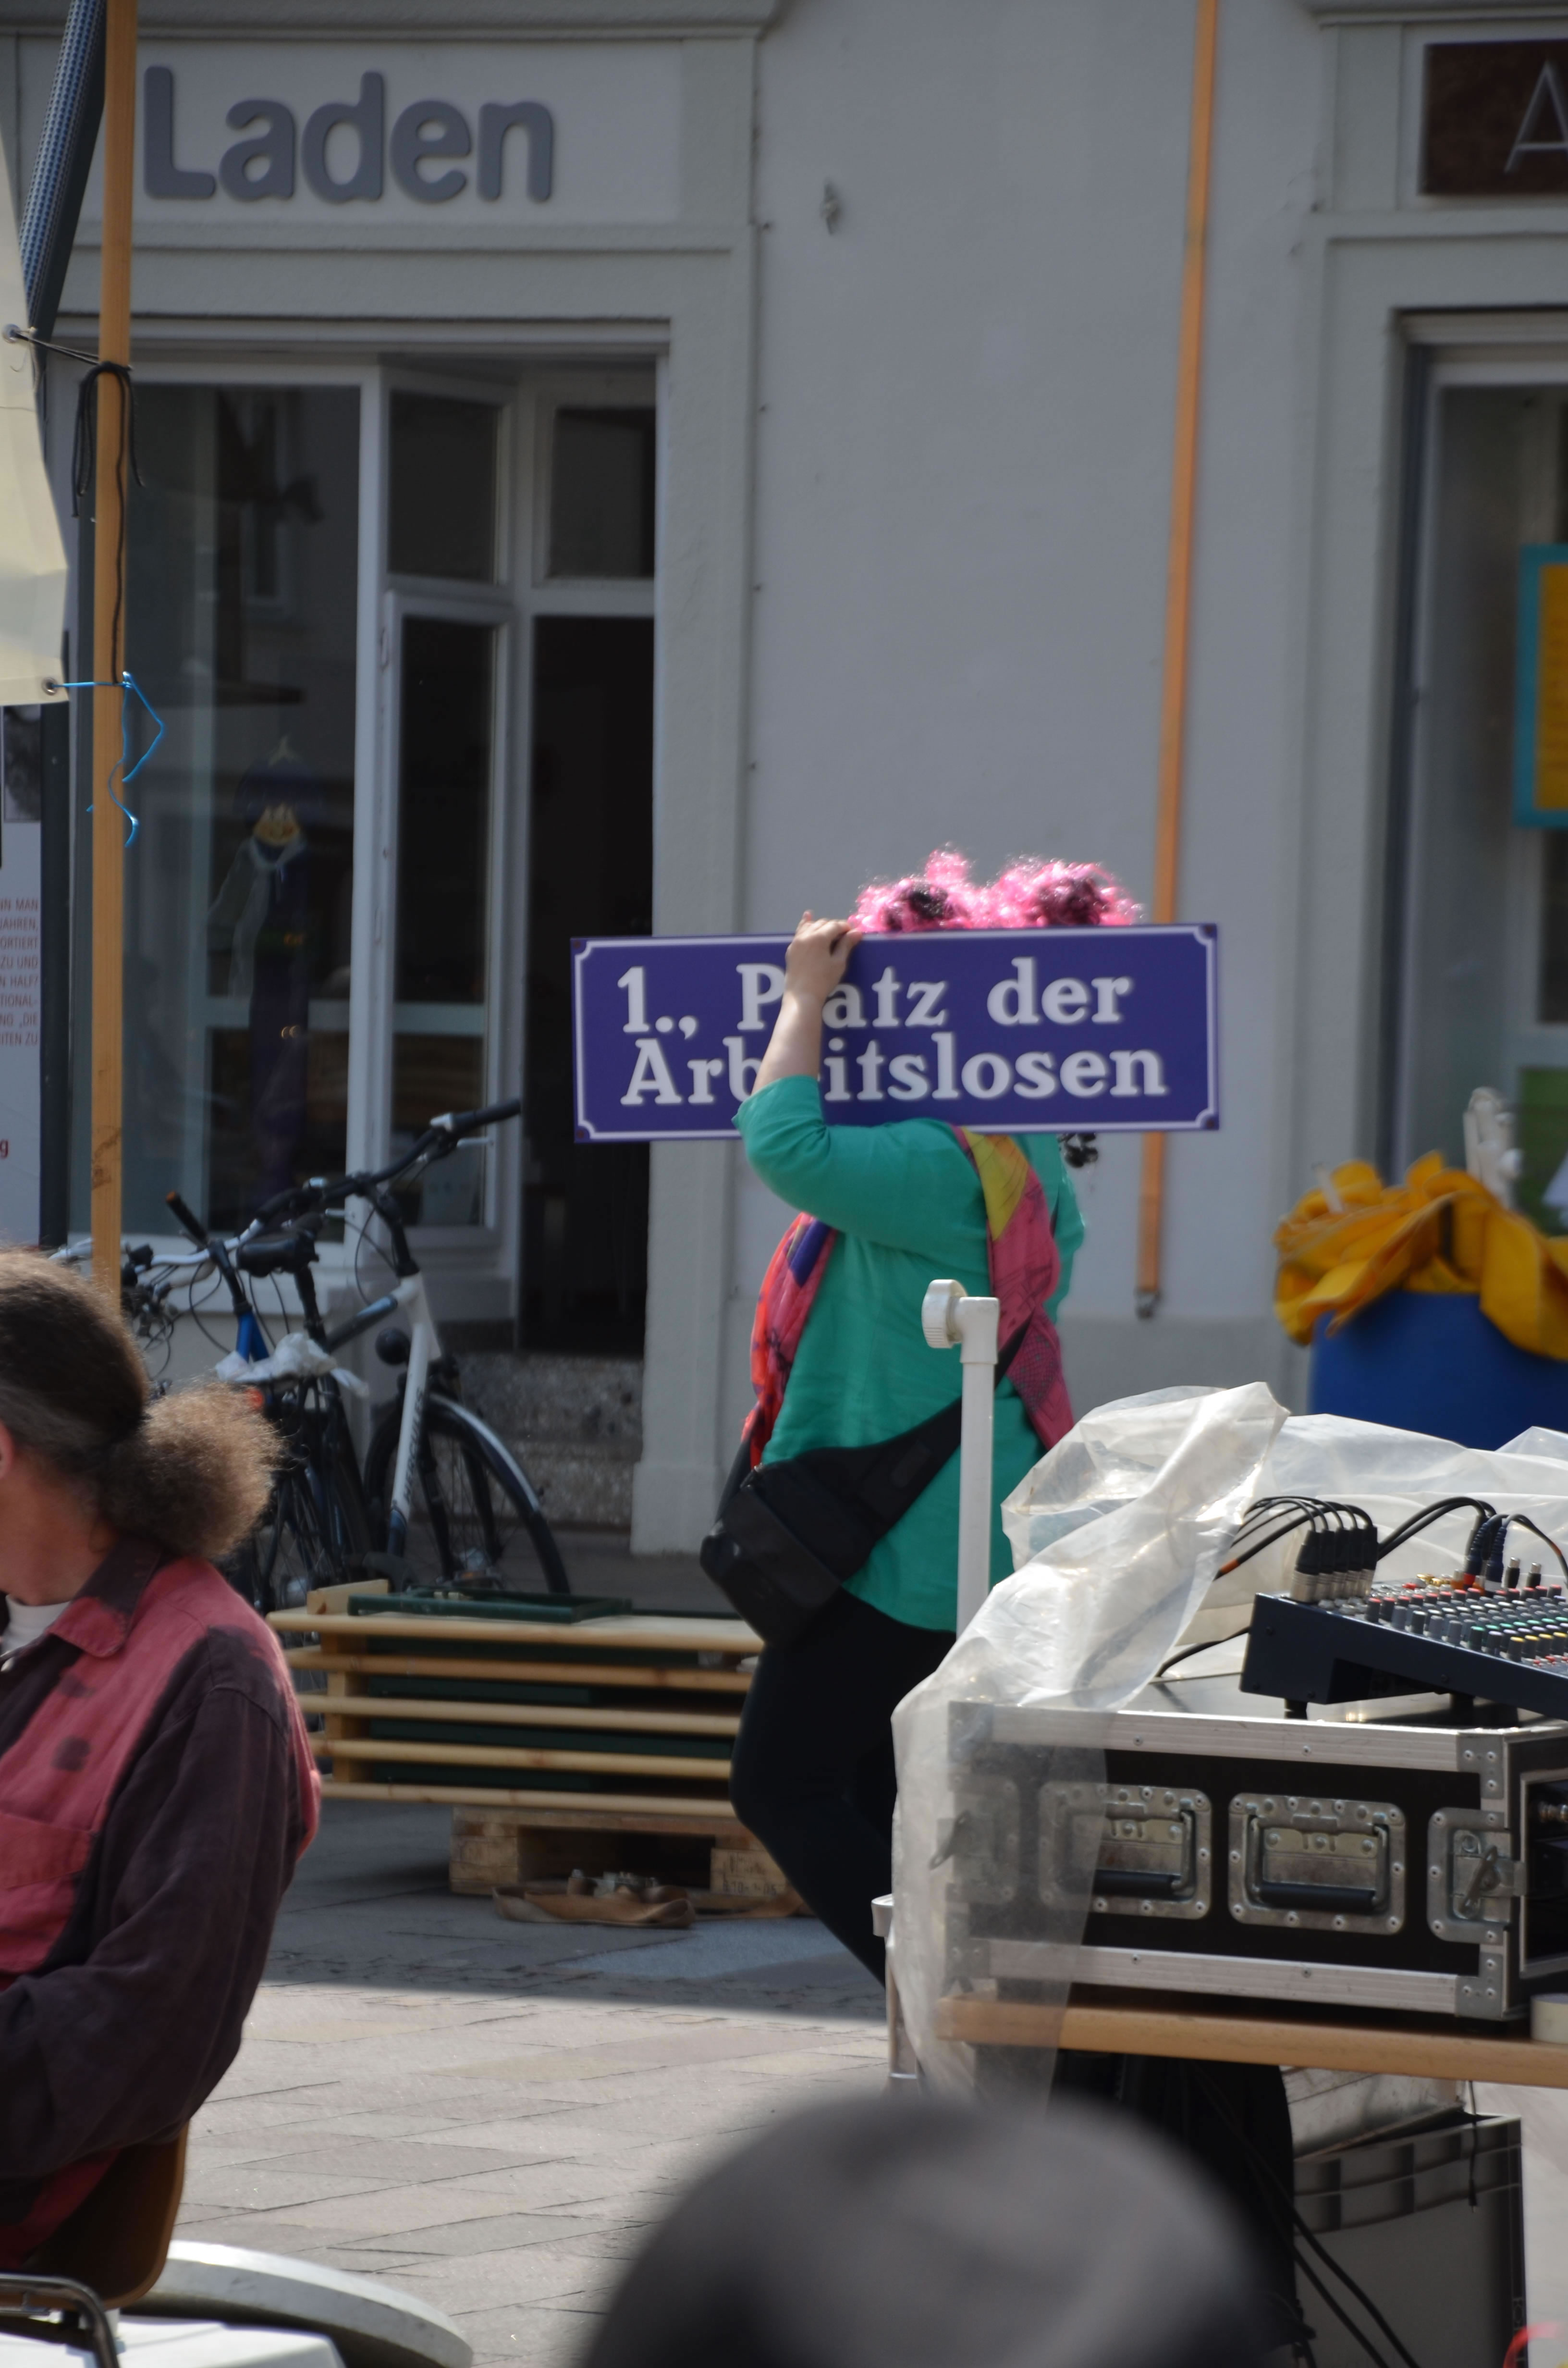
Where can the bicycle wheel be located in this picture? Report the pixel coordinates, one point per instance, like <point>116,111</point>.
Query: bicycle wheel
<point>314,1533</point>
<point>475,1521</point>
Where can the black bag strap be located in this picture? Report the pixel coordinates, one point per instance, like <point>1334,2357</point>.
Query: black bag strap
<point>845,1500</point>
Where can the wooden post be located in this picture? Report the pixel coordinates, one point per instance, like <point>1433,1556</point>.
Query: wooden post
<point>109,645</point>
<point>1178,589</point>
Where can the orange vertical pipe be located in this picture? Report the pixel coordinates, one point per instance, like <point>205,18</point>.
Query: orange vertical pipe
<point>109,646</point>
<point>1178,588</point>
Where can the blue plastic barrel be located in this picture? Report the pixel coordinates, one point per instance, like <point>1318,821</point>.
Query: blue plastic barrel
<point>1429,1360</point>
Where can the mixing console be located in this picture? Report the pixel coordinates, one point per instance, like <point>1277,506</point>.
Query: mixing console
<point>1467,1637</point>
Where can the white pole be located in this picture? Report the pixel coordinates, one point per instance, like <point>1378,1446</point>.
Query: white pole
<point>951,1320</point>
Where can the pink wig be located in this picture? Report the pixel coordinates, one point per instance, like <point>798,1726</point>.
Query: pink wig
<point>1029,895</point>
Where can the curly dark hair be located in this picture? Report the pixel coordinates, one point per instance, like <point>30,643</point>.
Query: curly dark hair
<point>191,1471</point>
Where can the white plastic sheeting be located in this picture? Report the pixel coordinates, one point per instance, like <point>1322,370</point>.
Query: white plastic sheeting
<point>1117,1535</point>
<point>32,556</point>
<point>1144,1500</point>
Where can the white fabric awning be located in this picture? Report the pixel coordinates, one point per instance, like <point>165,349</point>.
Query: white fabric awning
<point>32,556</point>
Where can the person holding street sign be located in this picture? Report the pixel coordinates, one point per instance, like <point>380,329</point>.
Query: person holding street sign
<point>848,1467</point>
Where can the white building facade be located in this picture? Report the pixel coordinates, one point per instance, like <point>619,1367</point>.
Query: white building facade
<point>627,462</point>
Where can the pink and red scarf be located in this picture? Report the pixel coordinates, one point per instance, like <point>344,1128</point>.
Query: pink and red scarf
<point>1024,1261</point>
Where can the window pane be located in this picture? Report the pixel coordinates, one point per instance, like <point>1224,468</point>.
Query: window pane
<point>446,745</point>
<point>601,493</point>
<point>1555,927</point>
<point>243,564</point>
<point>443,488</point>
<point>590,874</point>
<point>430,1074</point>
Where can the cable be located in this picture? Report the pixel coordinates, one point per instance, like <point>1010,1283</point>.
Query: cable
<point>1430,1513</point>
<point>1188,1651</point>
<point>1523,1522</point>
<point>1319,1512</point>
<point>1357,2334</point>
<point>1261,1545</point>
<point>126,771</point>
<point>194,1310</point>
<point>1262,2165</point>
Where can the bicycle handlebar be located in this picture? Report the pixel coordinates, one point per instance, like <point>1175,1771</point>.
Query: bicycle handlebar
<point>187,1220</point>
<point>474,1121</point>
<point>442,1135</point>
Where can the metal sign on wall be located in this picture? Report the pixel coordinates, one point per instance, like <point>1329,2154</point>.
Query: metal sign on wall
<point>1494,119</point>
<point>1012,1031</point>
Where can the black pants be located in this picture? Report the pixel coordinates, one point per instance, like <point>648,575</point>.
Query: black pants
<point>813,1773</point>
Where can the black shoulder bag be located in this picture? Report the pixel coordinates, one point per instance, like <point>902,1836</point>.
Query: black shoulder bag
<point>788,1536</point>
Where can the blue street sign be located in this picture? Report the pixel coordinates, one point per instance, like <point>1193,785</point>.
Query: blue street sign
<point>1011,1031</point>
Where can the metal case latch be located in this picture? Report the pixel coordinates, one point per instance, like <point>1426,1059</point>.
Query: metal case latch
<point>1325,1865</point>
<point>1472,1880</point>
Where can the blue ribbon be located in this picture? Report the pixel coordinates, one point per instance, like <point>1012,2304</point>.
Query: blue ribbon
<point>125,769</point>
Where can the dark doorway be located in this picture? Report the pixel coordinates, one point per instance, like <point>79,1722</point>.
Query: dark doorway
<point>590,874</point>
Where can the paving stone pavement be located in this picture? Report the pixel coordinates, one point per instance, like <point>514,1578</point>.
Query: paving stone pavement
<point>491,2115</point>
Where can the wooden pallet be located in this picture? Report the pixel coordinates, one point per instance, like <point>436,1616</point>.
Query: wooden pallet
<point>613,1726</point>
<point>493,1845</point>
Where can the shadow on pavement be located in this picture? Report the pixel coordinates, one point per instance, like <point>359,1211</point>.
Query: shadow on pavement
<point>370,1907</point>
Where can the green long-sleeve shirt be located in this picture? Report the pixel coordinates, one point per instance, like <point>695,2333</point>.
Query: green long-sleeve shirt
<point>908,1206</point>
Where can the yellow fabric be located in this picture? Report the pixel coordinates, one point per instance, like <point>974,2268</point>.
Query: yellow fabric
<point>1440,1231</point>
<point>1004,1171</point>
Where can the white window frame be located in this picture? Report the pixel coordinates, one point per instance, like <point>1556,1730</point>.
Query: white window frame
<point>490,1246</point>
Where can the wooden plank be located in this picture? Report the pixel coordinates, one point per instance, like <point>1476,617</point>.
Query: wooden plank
<point>1422,2047</point>
<point>335,1598</point>
<point>498,1755</point>
<point>479,1713</point>
<point>631,1813</point>
<point>640,1631</point>
<point>550,1673</point>
<point>335,1727</point>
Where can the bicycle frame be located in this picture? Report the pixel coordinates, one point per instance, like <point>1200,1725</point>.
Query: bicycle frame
<point>408,1295</point>
<point>425,1350</point>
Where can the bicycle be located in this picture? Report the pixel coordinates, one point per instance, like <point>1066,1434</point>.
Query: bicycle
<point>479,1527</point>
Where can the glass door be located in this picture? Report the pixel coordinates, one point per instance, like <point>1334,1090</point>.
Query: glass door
<point>1483,964</point>
<point>590,843</point>
<point>241,621</point>
<point>450,671</point>
<point>448,644</point>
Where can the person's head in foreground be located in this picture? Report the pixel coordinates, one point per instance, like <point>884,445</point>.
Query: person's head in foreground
<point>88,1456</point>
<point>887,2234</point>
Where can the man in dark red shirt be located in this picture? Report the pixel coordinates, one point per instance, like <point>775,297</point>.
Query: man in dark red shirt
<point>156,1784</point>
<point>154,1723</point>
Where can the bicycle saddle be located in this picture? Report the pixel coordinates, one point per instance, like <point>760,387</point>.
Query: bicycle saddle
<point>277,1254</point>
